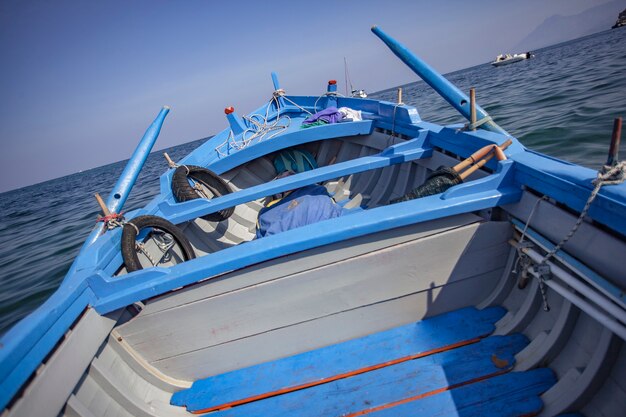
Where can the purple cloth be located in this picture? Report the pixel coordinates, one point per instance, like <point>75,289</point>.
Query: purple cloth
<point>329,115</point>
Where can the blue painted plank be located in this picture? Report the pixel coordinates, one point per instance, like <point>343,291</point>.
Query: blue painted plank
<point>513,394</point>
<point>313,367</point>
<point>292,136</point>
<point>571,185</point>
<point>114,293</point>
<point>411,150</point>
<point>417,378</point>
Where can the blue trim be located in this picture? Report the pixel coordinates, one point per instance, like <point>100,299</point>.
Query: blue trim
<point>26,345</point>
<point>571,185</point>
<point>492,191</point>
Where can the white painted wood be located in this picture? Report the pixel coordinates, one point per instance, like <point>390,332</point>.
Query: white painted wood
<point>321,291</point>
<point>142,368</point>
<point>324,331</point>
<point>592,246</point>
<point>572,393</point>
<point>75,408</point>
<point>298,263</point>
<point>47,393</point>
<point>373,277</point>
<point>544,347</point>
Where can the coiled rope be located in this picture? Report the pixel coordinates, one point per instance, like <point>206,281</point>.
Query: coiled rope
<point>259,127</point>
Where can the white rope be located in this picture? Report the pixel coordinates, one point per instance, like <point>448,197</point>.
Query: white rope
<point>610,176</point>
<point>281,93</point>
<point>475,125</point>
<point>163,241</point>
<point>326,94</point>
<point>260,127</point>
<point>607,176</point>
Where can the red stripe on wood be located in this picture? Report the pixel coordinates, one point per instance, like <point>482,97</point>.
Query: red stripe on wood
<point>337,377</point>
<point>426,394</point>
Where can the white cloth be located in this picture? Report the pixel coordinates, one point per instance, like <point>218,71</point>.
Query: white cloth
<point>350,114</point>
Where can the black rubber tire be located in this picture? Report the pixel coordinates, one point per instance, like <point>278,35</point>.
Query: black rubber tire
<point>129,236</point>
<point>183,191</point>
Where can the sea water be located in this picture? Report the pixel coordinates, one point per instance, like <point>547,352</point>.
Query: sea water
<point>562,102</point>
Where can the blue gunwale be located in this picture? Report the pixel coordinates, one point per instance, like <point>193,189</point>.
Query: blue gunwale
<point>487,192</point>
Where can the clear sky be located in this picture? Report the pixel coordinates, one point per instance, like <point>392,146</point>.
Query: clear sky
<point>80,81</point>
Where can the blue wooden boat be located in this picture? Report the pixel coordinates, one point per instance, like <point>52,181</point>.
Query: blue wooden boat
<point>499,291</point>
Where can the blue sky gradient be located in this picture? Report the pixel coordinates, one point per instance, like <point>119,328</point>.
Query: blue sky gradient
<point>80,81</point>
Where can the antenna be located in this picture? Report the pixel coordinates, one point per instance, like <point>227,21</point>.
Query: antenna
<point>347,75</point>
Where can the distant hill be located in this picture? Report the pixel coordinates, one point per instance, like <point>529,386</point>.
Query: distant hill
<point>557,29</point>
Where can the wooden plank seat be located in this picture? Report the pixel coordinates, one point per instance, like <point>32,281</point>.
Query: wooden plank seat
<point>332,363</point>
<point>393,386</point>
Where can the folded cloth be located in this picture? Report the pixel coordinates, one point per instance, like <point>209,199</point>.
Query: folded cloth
<point>328,115</point>
<point>351,114</point>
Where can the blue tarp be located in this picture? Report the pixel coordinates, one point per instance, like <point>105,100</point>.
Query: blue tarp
<point>303,206</point>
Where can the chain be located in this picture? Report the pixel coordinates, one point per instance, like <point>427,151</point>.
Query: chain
<point>164,242</point>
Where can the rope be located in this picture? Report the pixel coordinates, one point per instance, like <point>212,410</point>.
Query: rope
<point>393,125</point>
<point>326,94</point>
<point>112,220</point>
<point>260,127</point>
<point>610,176</point>
<point>141,248</point>
<point>281,93</point>
<point>606,176</point>
<point>163,241</point>
<point>476,124</point>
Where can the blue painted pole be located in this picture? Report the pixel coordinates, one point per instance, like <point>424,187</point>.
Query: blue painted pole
<point>275,81</point>
<point>125,183</point>
<point>442,86</point>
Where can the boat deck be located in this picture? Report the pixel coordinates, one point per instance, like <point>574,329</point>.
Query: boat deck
<point>445,365</point>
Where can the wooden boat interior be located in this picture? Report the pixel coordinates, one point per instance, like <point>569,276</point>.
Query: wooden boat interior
<point>366,298</point>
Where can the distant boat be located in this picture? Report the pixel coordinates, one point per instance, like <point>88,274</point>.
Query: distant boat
<point>504,59</point>
<point>354,92</point>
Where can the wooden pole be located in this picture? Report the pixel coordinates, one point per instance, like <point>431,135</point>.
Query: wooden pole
<point>615,141</point>
<point>103,206</point>
<point>486,159</point>
<point>479,154</point>
<point>171,163</point>
<point>473,107</point>
<point>400,95</point>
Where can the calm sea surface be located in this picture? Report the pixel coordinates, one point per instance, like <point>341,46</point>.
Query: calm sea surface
<point>562,103</point>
